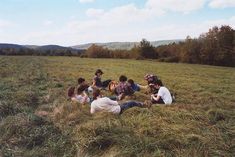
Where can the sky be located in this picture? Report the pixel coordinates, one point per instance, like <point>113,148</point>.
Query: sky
<point>73,22</point>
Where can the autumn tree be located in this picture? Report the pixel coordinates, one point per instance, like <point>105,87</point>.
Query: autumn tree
<point>146,50</point>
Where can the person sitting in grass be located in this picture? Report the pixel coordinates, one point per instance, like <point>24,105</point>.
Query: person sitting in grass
<point>151,79</point>
<point>134,86</point>
<point>82,81</point>
<point>81,96</point>
<point>123,88</point>
<point>97,83</point>
<point>163,96</point>
<point>106,104</point>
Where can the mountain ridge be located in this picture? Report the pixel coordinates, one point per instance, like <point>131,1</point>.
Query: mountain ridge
<point>109,45</point>
<point>126,45</point>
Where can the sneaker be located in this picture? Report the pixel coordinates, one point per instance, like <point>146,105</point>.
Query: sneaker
<point>173,97</point>
<point>147,104</point>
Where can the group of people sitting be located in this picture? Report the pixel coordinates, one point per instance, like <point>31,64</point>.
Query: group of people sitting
<point>91,94</point>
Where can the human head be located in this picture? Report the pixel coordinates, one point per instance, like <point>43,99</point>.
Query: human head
<point>158,83</point>
<point>112,86</point>
<point>131,81</point>
<point>81,80</point>
<point>150,78</point>
<point>71,92</point>
<point>99,72</point>
<point>96,93</point>
<point>81,88</point>
<point>122,78</point>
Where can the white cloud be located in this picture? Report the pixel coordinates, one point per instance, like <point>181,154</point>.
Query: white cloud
<point>86,1</point>
<point>222,3</point>
<point>130,13</point>
<point>47,23</point>
<point>94,12</point>
<point>123,23</point>
<point>78,32</point>
<point>178,31</point>
<point>184,6</point>
<point>4,23</point>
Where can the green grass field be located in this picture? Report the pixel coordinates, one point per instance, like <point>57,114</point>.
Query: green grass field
<point>38,120</point>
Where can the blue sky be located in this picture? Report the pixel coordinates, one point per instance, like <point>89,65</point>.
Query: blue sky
<point>72,22</point>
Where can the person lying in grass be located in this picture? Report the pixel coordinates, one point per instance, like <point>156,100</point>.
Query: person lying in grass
<point>81,97</point>
<point>163,96</point>
<point>106,104</point>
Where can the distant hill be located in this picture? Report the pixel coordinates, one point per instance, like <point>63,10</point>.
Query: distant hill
<point>14,49</point>
<point>125,45</point>
<point>31,46</point>
<point>14,46</point>
<point>52,47</point>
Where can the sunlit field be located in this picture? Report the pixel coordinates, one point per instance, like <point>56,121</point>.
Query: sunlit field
<point>37,119</point>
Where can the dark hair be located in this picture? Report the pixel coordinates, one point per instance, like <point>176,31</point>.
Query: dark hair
<point>81,88</point>
<point>98,71</point>
<point>80,80</point>
<point>71,91</point>
<point>131,81</point>
<point>122,78</point>
<point>158,82</point>
<point>96,93</point>
<point>151,78</point>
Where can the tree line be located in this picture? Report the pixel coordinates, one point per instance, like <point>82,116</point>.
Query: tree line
<point>40,52</point>
<point>216,47</point>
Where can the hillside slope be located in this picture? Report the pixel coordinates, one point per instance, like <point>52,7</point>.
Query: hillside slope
<point>125,45</point>
<point>200,123</point>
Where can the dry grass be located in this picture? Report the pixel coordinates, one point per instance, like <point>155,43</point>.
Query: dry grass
<point>200,123</point>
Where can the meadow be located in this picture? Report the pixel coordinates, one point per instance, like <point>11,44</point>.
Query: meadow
<point>37,118</point>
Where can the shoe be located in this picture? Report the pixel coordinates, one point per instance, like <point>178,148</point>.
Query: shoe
<point>147,104</point>
<point>173,97</point>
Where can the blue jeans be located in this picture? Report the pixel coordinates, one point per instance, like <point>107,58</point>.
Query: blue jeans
<point>130,104</point>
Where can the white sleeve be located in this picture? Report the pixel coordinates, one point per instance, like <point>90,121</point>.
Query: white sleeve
<point>92,110</point>
<point>160,92</point>
<point>112,102</point>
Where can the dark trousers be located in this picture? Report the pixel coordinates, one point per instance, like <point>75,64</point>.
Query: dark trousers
<point>160,101</point>
<point>130,104</point>
<point>106,83</point>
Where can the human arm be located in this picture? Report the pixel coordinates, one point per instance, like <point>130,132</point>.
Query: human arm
<point>92,111</point>
<point>112,102</point>
<point>142,87</point>
<point>155,97</point>
<point>85,98</point>
<point>93,83</point>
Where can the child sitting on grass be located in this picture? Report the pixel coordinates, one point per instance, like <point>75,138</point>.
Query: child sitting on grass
<point>163,96</point>
<point>151,79</point>
<point>97,83</point>
<point>134,86</point>
<point>123,88</point>
<point>81,96</point>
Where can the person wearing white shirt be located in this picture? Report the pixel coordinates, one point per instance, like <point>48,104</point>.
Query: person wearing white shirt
<point>81,96</point>
<point>106,104</point>
<point>163,96</point>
